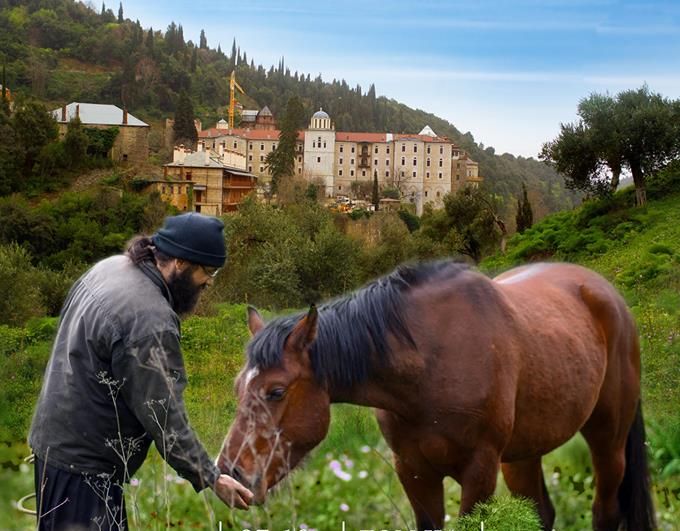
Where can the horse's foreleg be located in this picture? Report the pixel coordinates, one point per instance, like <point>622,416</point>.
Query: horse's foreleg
<point>525,478</point>
<point>425,491</point>
<point>478,478</point>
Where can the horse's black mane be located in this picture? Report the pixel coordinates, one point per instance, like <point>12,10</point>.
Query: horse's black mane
<point>352,331</point>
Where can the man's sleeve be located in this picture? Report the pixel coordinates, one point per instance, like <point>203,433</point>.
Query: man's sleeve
<point>153,376</point>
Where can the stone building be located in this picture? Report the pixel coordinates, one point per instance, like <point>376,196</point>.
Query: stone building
<point>132,141</point>
<point>202,181</point>
<point>423,167</point>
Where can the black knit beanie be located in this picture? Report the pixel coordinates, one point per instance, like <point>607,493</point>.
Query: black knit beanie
<point>193,237</point>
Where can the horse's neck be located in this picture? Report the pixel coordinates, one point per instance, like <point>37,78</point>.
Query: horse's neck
<point>392,387</point>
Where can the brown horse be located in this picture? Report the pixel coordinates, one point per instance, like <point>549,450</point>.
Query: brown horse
<point>467,375</point>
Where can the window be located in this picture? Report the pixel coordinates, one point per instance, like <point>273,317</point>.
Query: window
<point>387,173</point>
<point>261,169</point>
<point>250,169</point>
<point>427,174</point>
<point>441,152</point>
<point>375,162</point>
<point>403,161</point>
<point>415,148</point>
<point>387,162</point>
<point>299,171</point>
<point>427,163</point>
<point>261,158</point>
<point>318,159</point>
<point>235,145</point>
<point>319,141</point>
<point>250,146</point>
<point>352,149</point>
<point>188,176</point>
<point>299,159</point>
<point>324,144</point>
<point>428,150</point>
<point>388,150</point>
<point>376,150</point>
<point>314,144</point>
<point>250,157</point>
<point>425,193</point>
<point>340,160</point>
<point>415,161</point>
<point>273,147</point>
<point>439,193</point>
<point>363,173</point>
<point>351,173</point>
<point>351,161</point>
<point>403,147</point>
<point>457,177</point>
<point>414,174</point>
<point>261,147</point>
<point>341,149</point>
<point>163,189</point>
<point>339,187</point>
<point>440,175</point>
<point>441,163</point>
<point>340,173</point>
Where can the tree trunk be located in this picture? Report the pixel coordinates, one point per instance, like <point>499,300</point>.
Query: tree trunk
<point>616,177</point>
<point>639,180</point>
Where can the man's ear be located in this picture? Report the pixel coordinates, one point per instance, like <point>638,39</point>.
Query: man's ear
<point>255,321</point>
<point>304,332</point>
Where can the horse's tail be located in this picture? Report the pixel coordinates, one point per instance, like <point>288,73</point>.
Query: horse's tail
<point>635,497</point>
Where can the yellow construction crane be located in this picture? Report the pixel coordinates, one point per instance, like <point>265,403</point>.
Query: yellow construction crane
<point>232,97</point>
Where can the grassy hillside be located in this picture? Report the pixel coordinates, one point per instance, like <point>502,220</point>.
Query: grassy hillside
<point>62,50</point>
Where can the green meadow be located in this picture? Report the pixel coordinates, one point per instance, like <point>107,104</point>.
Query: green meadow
<point>349,480</point>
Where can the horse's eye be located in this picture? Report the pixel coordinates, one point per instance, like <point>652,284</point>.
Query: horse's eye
<point>276,394</point>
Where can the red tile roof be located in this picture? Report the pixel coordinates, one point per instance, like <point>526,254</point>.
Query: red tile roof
<point>273,134</point>
<point>423,138</point>
<point>248,134</point>
<point>360,137</point>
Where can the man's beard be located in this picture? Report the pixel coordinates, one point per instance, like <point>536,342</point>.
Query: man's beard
<point>185,292</point>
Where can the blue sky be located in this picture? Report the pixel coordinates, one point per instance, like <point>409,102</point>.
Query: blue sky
<point>509,72</point>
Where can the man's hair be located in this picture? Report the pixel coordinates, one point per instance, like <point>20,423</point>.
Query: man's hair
<point>141,249</point>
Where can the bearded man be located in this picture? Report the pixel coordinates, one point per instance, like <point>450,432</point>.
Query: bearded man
<point>115,378</point>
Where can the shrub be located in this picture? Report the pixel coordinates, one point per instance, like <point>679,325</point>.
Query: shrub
<point>507,513</point>
<point>20,297</point>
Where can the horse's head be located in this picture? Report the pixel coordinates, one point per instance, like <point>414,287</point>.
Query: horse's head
<point>283,412</point>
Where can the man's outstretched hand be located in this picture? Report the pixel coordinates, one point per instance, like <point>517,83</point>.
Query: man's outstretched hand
<point>232,492</point>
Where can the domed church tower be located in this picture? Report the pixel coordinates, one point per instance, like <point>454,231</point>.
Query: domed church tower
<point>320,150</point>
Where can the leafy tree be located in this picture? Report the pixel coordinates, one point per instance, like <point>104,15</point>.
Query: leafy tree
<point>34,128</point>
<point>281,161</point>
<point>638,130</point>
<point>184,127</point>
<point>9,155</point>
<point>468,223</point>
<point>76,143</point>
<point>525,216</point>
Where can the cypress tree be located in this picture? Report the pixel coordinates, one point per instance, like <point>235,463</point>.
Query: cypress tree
<point>525,216</point>
<point>184,127</point>
<point>120,13</point>
<point>281,161</point>
<point>194,59</point>
<point>375,199</point>
<point>203,42</point>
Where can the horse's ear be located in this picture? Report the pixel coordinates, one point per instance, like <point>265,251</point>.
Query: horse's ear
<point>255,321</point>
<point>304,332</point>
